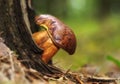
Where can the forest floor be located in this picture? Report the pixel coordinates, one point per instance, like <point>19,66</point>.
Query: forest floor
<point>13,72</point>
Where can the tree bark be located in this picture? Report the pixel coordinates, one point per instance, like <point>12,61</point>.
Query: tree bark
<point>16,27</point>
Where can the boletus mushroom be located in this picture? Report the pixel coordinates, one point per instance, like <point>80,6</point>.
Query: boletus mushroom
<point>56,35</point>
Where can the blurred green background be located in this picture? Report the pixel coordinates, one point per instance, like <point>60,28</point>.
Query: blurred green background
<point>96,24</point>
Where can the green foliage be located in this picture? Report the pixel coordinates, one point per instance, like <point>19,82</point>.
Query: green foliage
<point>114,60</point>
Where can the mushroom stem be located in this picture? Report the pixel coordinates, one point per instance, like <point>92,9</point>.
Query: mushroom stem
<point>44,41</point>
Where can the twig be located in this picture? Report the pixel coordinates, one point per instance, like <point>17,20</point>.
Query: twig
<point>78,79</point>
<point>12,65</point>
<point>101,79</point>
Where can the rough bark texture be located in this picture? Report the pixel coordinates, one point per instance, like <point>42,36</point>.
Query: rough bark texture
<point>16,23</point>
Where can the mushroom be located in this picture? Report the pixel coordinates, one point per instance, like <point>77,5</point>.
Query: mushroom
<point>56,35</point>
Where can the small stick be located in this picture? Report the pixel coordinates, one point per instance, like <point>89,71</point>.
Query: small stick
<point>101,79</point>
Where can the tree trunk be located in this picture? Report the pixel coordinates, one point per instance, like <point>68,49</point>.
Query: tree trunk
<point>104,8</point>
<point>16,23</point>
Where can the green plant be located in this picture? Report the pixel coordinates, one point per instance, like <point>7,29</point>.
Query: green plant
<point>116,61</point>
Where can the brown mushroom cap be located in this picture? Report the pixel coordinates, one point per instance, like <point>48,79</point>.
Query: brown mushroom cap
<point>61,34</point>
